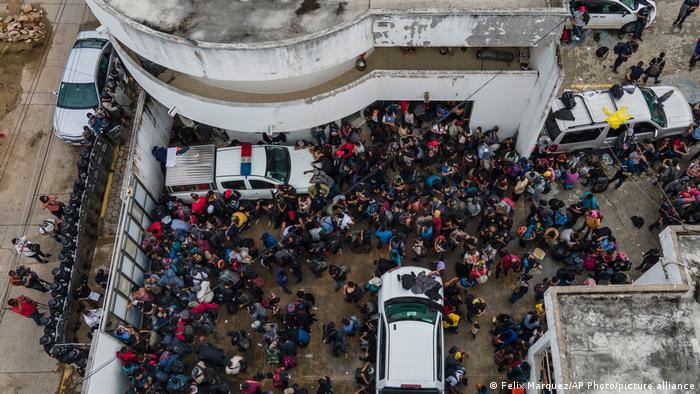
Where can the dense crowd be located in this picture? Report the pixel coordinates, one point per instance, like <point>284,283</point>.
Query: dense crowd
<point>420,194</point>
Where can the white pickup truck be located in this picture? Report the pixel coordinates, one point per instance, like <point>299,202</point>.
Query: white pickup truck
<point>252,170</point>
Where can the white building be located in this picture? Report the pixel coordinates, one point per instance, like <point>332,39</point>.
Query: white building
<point>605,339</point>
<point>254,66</point>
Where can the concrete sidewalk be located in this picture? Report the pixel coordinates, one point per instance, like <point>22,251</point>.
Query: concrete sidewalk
<point>34,162</point>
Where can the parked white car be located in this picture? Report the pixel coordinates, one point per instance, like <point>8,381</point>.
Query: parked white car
<point>615,14</point>
<point>83,79</point>
<point>410,345</point>
<point>254,174</point>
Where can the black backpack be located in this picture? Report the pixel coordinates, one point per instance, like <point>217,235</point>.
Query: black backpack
<point>408,280</point>
<point>621,47</point>
<point>600,185</point>
<point>617,91</point>
<point>568,99</point>
<point>602,52</point>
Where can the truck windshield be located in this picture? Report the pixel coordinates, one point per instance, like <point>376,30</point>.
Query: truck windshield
<point>278,163</point>
<point>551,126</point>
<point>655,108</point>
<point>407,310</point>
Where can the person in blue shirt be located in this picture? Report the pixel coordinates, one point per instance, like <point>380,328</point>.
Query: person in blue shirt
<point>384,235</point>
<point>434,182</point>
<point>350,325</point>
<point>282,279</point>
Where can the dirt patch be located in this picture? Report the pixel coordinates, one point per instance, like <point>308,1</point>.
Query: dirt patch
<point>14,57</point>
<point>35,139</point>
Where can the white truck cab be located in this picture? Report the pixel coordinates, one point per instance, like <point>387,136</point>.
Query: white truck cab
<point>410,346</point>
<point>657,112</point>
<point>252,170</point>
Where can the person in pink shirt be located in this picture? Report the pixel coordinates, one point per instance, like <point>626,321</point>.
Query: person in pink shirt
<point>570,178</point>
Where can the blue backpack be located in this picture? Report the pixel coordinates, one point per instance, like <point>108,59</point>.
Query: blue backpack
<point>303,337</point>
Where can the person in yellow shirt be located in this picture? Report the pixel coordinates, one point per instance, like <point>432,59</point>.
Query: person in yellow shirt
<point>451,322</point>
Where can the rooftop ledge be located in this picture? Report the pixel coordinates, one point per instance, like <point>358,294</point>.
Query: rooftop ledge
<point>381,59</point>
<point>259,24</point>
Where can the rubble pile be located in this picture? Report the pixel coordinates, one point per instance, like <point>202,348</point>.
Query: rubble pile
<point>27,26</point>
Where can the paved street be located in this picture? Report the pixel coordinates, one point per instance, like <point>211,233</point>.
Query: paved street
<point>33,163</point>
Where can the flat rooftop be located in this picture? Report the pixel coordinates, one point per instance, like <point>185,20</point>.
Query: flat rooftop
<point>634,338</point>
<point>250,21</point>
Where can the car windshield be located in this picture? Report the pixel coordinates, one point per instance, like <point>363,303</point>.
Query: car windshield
<point>418,311</point>
<point>77,96</point>
<point>551,126</point>
<point>655,108</point>
<point>277,163</point>
<point>95,43</point>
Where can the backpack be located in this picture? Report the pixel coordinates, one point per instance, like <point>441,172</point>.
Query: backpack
<point>408,280</point>
<point>600,185</point>
<point>617,91</point>
<point>303,338</point>
<point>280,380</point>
<point>568,99</point>
<point>620,48</point>
<point>288,362</point>
<point>602,52</point>
<point>654,69</point>
<point>559,252</point>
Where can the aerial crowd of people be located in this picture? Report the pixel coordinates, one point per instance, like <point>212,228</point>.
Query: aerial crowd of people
<point>422,187</point>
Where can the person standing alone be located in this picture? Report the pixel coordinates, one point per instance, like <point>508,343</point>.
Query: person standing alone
<point>27,307</point>
<point>687,8</point>
<point>29,249</point>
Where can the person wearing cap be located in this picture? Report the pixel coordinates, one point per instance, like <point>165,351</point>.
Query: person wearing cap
<point>581,18</point>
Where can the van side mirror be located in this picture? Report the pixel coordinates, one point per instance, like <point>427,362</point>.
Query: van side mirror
<point>54,93</point>
<point>625,13</point>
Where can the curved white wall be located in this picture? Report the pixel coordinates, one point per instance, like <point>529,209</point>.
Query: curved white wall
<point>286,85</point>
<point>302,62</point>
<point>501,103</point>
<point>241,62</point>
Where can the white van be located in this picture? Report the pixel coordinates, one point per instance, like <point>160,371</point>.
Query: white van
<point>410,348</point>
<point>203,168</point>
<point>584,126</point>
<point>615,14</point>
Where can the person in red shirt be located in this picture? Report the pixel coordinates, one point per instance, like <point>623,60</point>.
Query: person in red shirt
<point>51,204</point>
<point>26,307</point>
<point>199,204</point>
<point>507,262</point>
<point>126,356</point>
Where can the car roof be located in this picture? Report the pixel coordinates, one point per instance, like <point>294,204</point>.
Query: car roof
<point>391,285</point>
<point>91,34</point>
<point>410,360</point>
<point>194,167</point>
<point>81,64</point>
<point>228,161</point>
<point>589,108</point>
